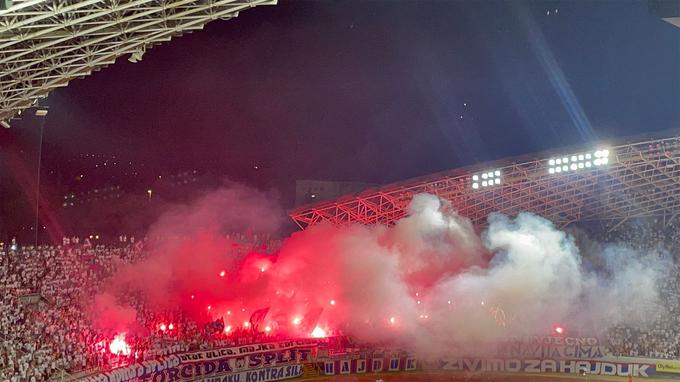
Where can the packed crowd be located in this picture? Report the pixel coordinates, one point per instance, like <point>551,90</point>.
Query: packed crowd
<point>661,337</point>
<point>45,332</point>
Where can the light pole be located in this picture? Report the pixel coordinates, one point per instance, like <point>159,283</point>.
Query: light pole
<point>42,114</point>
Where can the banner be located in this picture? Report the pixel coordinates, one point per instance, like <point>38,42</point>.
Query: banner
<point>367,365</point>
<point>548,366</point>
<point>247,349</point>
<point>668,366</point>
<point>553,351</point>
<point>217,362</point>
<point>261,375</point>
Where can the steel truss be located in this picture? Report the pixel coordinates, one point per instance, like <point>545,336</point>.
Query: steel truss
<point>44,44</point>
<point>642,179</point>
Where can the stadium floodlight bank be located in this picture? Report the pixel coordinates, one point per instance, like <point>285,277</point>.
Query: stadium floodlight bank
<point>576,162</point>
<point>612,182</point>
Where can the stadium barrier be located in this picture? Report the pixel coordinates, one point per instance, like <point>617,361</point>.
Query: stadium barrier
<point>273,361</point>
<point>291,359</point>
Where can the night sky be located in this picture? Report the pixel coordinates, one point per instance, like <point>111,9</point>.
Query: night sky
<point>375,91</point>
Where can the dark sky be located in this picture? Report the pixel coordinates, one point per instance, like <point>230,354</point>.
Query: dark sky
<point>377,91</point>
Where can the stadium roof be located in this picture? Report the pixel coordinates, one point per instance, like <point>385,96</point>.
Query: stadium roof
<point>640,179</point>
<point>44,44</point>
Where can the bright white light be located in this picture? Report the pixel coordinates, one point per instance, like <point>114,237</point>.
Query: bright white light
<point>490,175</point>
<point>588,156</point>
<point>118,345</point>
<point>604,160</point>
<point>227,329</point>
<point>573,158</point>
<point>558,169</point>
<point>596,161</point>
<point>475,177</point>
<point>565,160</point>
<point>332,302</point>
<point>580,165</point>
<point>318,333</point>
<point>267,328</point>
<point>497,172</point>
<point>588,164</point>
<point>558,161</point>
<point>551,170</point>
<point>484,183</point>
<point>497,181</point>
<point>297,321</point>
<point>573,166</point>
<point>605,153</point>
<point>565,168</point>
<point>551,162</point>
<point>580,157</point>
<point>392,320</point>
<point>475,185</point>
<point>484,176</point>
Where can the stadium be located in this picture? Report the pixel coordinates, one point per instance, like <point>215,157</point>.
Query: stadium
<point>555,265</point>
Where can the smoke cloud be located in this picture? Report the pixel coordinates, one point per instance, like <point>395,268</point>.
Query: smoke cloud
<point>429,281</point>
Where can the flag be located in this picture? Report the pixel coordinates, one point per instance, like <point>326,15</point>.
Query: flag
<point>311,319</point>
<point>257,317</point>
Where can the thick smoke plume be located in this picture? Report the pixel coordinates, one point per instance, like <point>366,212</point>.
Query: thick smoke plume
<point>429,281</point>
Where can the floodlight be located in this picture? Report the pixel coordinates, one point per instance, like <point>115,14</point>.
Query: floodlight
<point>604,160</point>
<point>588,156</point>
<point>558,161</point>
<point>558,169</point>
<point>598,154</point>
<point>565,160</point>
<point>497,172</point>
<point>573,158</point>
<point>484,183</point>
<point>580,165</point>
<point>551,162</point>
<point>588,164</point>
<point>551,170</point>
<point>580,157</point>
<point>475,185</point>
<point>573,166</point>
<point>605,153</point>
<point>497,180</point>
<point>565,168</point>
<point>475,177</point>
<point>490,174</point>
<point>484,176</point>
<point>597,161</point>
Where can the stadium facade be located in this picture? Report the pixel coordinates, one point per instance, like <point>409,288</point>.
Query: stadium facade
<point>614,182</point>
